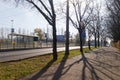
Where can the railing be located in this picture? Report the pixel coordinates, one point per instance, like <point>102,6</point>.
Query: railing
<point>4,45</point>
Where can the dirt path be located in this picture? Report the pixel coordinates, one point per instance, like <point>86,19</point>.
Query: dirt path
<point>101,64</point>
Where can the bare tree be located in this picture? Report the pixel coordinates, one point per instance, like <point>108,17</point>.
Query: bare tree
<point>90,33</point>
<point>103,34</point>
<point>99,22</point>
<point>113,6</point>
<point>95,24</point>
<point>64,12</point>
<point>46,8</point>
<point>82,15</point>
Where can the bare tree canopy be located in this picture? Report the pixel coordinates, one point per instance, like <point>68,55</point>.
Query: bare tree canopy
<point>82,14</point>
<point>113,21</point>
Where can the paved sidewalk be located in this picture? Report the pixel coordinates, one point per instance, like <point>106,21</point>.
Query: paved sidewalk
<point>100,64</point>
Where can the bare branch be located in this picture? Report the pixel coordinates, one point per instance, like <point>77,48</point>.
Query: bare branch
<point>52,8</point>
<point>74,23</point>
<point>86,8</point>
<point>76,14</point>
<point>45,16</point>
<point>45,7</point>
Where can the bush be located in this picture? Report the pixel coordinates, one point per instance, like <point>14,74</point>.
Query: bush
<point>117,44</point>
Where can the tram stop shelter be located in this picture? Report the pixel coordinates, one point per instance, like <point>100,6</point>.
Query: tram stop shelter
<point>23,41</point>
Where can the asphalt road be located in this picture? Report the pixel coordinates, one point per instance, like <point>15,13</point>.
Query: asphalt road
<point>18,55</point>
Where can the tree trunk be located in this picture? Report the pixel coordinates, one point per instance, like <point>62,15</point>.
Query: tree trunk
<point>81,42</point>
<point>67,29</point>
<point>101,42</point>
<point>54,41</point>
<point>95,41</point>
<point>89,44</point>
<point>98,39</point>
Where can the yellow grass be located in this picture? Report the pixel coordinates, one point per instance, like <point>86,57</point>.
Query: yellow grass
<point>117,44</point>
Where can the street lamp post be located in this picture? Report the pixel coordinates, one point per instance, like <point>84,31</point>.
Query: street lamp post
<point>12,30</point>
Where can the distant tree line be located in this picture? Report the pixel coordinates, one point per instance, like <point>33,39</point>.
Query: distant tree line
<point>113,20</point>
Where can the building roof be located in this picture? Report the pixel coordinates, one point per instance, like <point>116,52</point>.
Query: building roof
<point>15,34</point>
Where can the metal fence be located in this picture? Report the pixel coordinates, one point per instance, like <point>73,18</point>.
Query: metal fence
<point>11,40</point>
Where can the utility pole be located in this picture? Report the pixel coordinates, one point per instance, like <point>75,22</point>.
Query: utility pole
<point>47,37</point>
<point>67,29</point>
<point>12,30</point>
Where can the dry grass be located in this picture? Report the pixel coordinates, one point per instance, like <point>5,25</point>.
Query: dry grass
<point>117,44</point>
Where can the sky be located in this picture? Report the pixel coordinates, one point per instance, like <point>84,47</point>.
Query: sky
<point>22,17</point>
<point>26,18</point>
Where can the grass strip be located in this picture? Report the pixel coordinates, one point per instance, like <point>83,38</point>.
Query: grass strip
<point>17,69</point>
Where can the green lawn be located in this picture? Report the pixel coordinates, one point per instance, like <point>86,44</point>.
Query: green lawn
<point>18,69</point>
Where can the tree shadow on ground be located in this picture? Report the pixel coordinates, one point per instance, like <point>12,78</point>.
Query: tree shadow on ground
<point>42,71</point>
<point>106,68</point>
<point>59,72</point>
<point>93,69</point>
<point>89,66</point>
<point>96,66</point>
